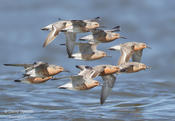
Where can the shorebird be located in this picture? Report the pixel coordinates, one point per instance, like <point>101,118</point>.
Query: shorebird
<point>84,80</point>
<point>109,69</point>
<point>103,36</point>
<point>109,78</point>
<point>128,50</point>
<point>132,67</point>
<point>33,80</point>
<point>55,28</point>
<point>107,73</point>
<point>70,28</point>
<point>88,51</point>
<point>40,69</point>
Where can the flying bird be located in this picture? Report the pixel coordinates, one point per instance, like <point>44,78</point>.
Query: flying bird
<point>132,67</point>
<point>70,28</point>
<point>39,71</point>
<point>88,51</point>
<point>84,79</point>
<point>129,50</point>
<point>103,36</point>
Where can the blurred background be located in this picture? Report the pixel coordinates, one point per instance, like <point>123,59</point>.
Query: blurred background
<point>146,95</point>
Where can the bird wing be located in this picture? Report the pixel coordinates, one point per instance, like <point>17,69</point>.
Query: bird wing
<point>126,67</point>
<point>70,42</point>
<point>94,46</point>
<point>20,65</point>
<point>98,70</point>
<point>69,28</point>
<point>114,29</point>
<point>116,47</point>
<point>108,84</point>
<point>126,53</point>
<point>77,80</point>
<point>86,48</point>
<point>36,65</point>
<point>136,57</point>
<point>51,36</point>
<point>94,74</point>
<point>87,72</point>
<point>37,70</point>
<point>88,37</point>
<point>93,19</point>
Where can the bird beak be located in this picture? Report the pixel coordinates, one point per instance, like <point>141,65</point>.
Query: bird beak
<point>148,67</point>
<point>108,56</point>
<point>100,84</point>
<point>66,71</point>
<point>123,37</point>
<point>148,47</point>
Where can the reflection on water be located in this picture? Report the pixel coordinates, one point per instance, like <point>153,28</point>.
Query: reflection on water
<point>147,95</point>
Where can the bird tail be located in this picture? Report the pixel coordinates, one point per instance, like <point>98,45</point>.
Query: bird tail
<point>44,29</point>
<point>48,27</point>
<point>17,80</point>
<point>117,47</point>
<point>62,87</point>
<point>116,29</point>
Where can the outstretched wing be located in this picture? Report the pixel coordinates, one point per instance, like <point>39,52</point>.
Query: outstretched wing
<point>20,65</point>
<point>108,84</point>
<point>37,70</point>
<point>136,57</point>
<point>88,37</point>
<point>86,48</point>
<point>98,70</point>
<point>70,42</point>
<point>77,80</point>
<point>126,53</point>
<point>51,36</point>
<point>114,29</point>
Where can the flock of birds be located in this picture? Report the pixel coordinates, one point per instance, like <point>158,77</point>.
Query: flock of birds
<point>40,72</point>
